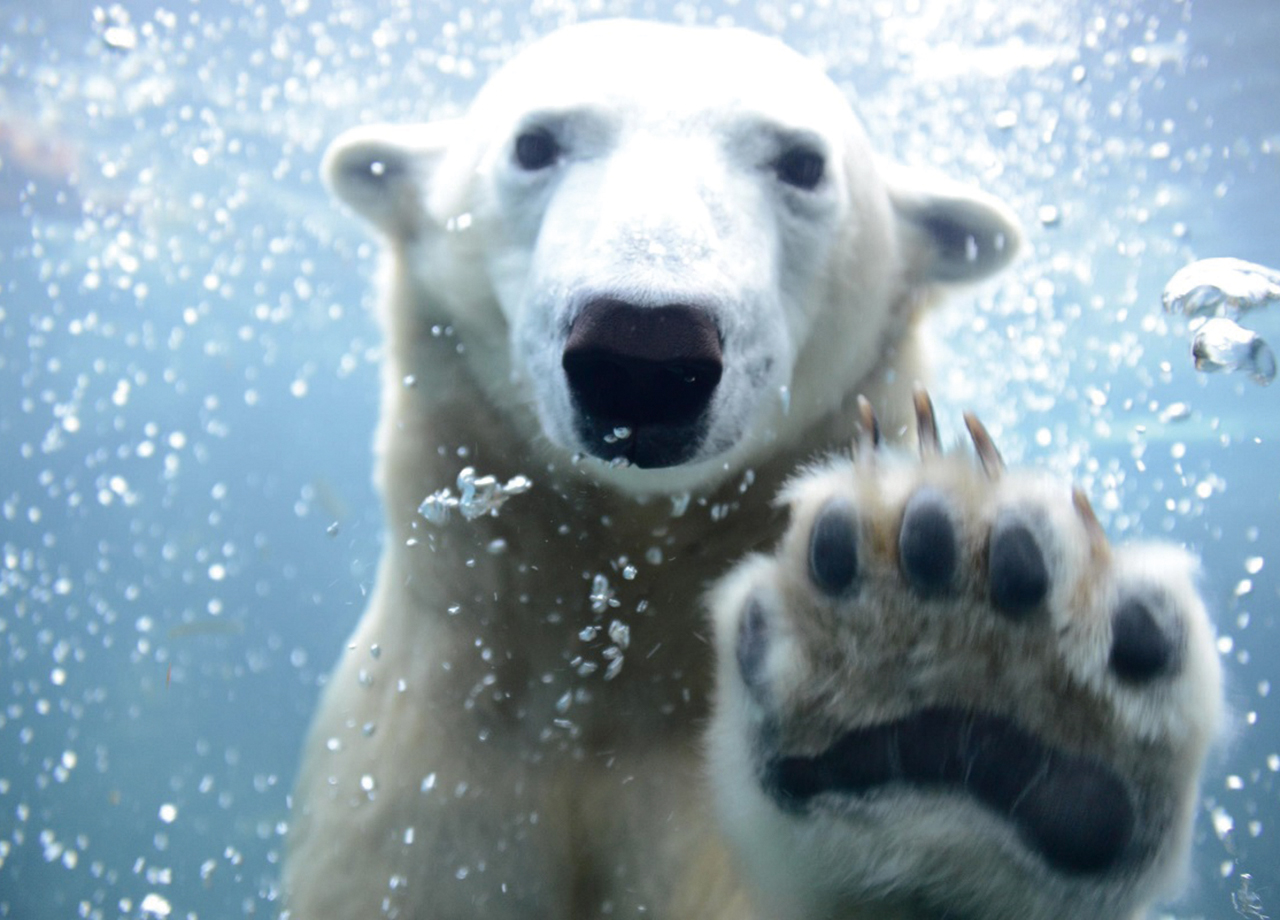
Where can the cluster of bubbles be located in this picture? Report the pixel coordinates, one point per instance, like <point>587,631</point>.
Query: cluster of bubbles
<point>1215,294</point>
<point>476,497</point>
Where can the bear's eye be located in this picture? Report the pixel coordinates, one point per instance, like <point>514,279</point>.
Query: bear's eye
<point>536,149</point>
<point>802,167</point>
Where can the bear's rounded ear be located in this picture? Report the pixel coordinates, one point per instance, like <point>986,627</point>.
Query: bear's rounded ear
<point>953,234</point>
<point>383,172</point>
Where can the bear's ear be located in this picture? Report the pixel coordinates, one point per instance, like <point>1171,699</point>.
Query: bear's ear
<point>954,234</point>
<point>383,172</point>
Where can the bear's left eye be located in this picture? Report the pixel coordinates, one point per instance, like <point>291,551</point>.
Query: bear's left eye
<point>802,167</point>
<point>536,149</point>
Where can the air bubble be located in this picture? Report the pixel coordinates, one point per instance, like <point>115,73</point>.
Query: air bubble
<point>620,634</point>
<point>155,905</point>
<point>602,595</point>
<point>1221,344</point>
<point>477,496</point>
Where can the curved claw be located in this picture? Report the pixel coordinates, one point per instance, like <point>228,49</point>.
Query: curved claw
<point>926,423</point>
<point>988,455</point>
<point>1097,536</point>
<point>868,436</point>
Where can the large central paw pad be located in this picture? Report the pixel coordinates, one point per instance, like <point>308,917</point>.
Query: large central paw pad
<point>947,693</point>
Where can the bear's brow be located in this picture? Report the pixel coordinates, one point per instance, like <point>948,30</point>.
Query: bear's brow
<point>571,124</point>
<point>766,138</point>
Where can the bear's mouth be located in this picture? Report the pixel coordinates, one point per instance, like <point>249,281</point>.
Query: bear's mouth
<point>641,380</point>
<point>1073,811</point>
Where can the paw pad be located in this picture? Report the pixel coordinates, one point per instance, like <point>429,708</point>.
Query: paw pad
<point>1140,650</point>
<point>927,545</point>
<point>833,548</point>
<point>1018,577</point>
<point>1072,810</point>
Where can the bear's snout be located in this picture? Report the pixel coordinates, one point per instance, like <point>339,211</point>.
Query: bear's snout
<point>641,379</point>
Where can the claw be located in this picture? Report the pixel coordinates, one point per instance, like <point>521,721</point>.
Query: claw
<point>868,436</point>
<point>926,424</point>
<point>988,455</point>
<point>1097,536</point>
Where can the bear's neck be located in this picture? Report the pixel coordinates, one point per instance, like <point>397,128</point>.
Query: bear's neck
<point>567,577</point>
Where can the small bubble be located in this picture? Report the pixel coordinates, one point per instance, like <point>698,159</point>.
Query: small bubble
<point>1175,412</point>
<point>367,783</point>
<point>620,634</point>
<point>155,905</point>
<point>1223,823</point>
<point>602,595</point>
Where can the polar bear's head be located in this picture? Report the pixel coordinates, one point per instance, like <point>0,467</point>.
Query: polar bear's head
<point>680,238</point>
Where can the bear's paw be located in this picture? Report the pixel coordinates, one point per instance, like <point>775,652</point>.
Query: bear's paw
<point>948,694</point>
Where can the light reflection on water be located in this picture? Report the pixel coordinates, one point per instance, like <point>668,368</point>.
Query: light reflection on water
<point>188,376</point>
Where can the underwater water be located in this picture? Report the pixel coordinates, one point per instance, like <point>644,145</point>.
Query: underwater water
<point>188,374</point>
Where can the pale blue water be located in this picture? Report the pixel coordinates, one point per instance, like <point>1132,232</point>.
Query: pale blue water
<point>188,375</point>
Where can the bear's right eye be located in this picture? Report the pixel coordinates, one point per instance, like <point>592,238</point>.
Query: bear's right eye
<point>536,149</point>
<point>801,167</point>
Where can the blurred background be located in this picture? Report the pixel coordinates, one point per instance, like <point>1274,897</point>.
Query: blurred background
<point>188,373</point>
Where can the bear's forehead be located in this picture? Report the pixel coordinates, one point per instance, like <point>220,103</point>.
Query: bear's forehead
<point>637,71</point>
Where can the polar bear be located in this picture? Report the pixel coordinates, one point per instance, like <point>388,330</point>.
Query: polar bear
<point>647,276</point>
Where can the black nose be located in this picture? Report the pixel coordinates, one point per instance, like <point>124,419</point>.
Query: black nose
<point>642,379</point>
